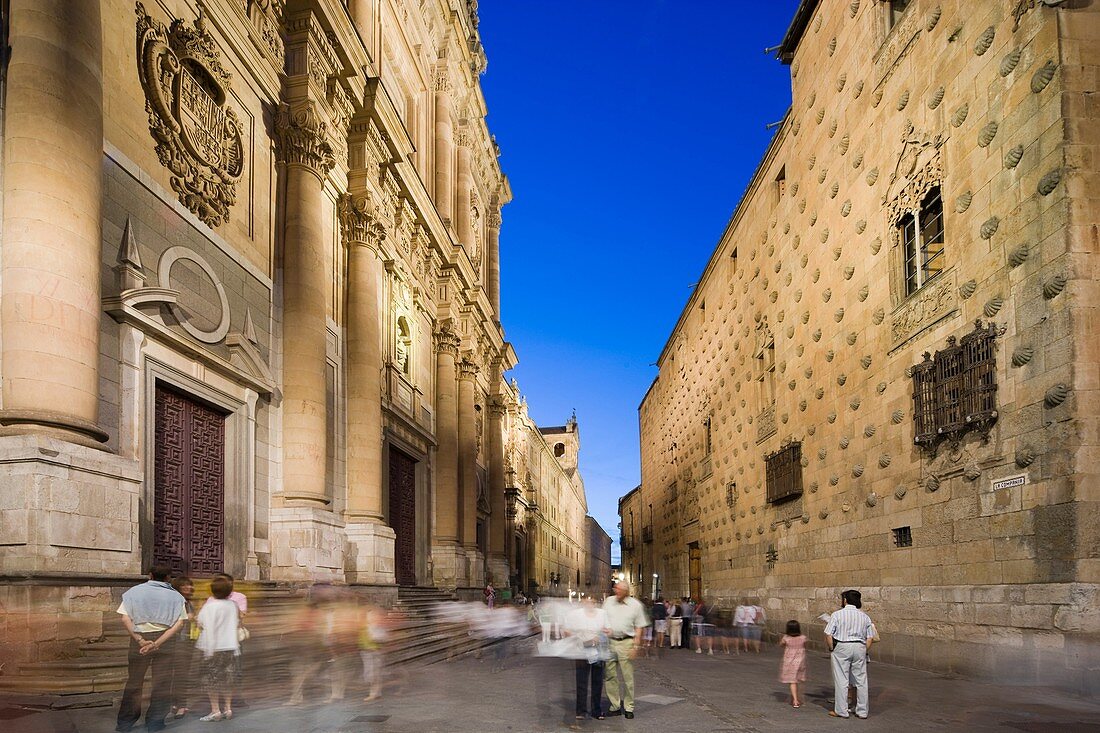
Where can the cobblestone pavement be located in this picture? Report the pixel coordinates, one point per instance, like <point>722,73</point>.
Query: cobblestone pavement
<point>682,692</point>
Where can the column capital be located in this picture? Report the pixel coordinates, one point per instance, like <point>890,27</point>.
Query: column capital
<point>463,138</point>
<point>302,134</point>
<point>446,340</point>
<point>467,368</point>
<point>358,224</point>
<point>493,220</point>
<point>441,79</point>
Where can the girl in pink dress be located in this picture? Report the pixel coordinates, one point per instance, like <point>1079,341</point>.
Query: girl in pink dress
<point>793,669</point>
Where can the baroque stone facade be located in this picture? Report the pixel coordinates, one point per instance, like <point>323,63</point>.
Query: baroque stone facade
<point>250,310</point>
<point>886,378</point>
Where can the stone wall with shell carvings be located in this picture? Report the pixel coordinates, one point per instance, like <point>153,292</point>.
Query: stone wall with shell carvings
<point>1000,575</point>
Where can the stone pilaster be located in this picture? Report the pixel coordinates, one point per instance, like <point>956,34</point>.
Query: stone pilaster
<point>467,464</point>
<point>444,147</point>
<point>448,556</point>
<point>370,540</point>
<point>498,521</point>
<point>53,188</point>
<point>493,278</point>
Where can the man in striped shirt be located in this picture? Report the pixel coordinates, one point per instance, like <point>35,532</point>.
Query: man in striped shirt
<point>849,634</point>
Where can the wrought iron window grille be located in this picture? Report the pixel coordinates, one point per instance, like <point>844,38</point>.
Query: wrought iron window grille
<point>783,473</point>
<point>955,391</point>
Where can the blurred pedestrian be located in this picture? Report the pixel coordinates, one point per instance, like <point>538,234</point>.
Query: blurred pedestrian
<point>490,594</point>
<point>219,619</point>
<point>152,613</point>
<point>588,625</point>
<point>183,680</point>
<point>660,622</point>
<point>626,620</point>
<point>675,625</point>
<point>343,628</point>
<point>759,619</point>
<point>304,643</point>
<point>793,669</point>
<point>742,621</point>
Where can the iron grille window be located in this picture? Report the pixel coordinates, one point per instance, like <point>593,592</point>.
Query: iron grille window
<point>922,240</point>
<point>783,473</point>
<point>731,494</point>
<point>903,536</point>
<point>956,390</point>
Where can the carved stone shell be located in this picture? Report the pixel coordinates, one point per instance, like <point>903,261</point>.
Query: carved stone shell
<point>1056,395</point>
<point>841,81</point>
<point>936,98</point>
<point>834,480</point>
<point>820,115</point>
<point>899,492</point>
<point>1025,456</point>
<point>903,100</point>
<point>876,98</point>
<point>1054,286</point>
<point>972,472</point>
<point>839,315</point>
<point>818,393</point>
<point>878,316</point>
<point>832,45</point>
<point>872,499</point>
<point>932,483</point>
<point>872,176</point>
<point>832,128</point>
<point>852,338</point>
<point>987,133</point>
<point>960,114</point>
<point>816,335</point>
<point>821,176</point>
<point>811,162</point>
<point>829,355</point>
<point>855,403</point>
<point>849,271</point>
<point>857,89</point>
<point>861,226</point>
<point>989,227</point>
<point>897,416</point>
<point>1042,77</point>
<point>884,460</point>
<point>863,293</point>
<point>1050,181</point>
<point>806,319</point>
<point>858,160</point>
<point>826,294</point>
<point>933,18</point>
<point>834,190</point>
<point>821,453</point>
<point>1013,156</point>
<point>993,306</point>
<point>831,418</point>
<point>853,8</point>
<point>876,245</point>
<point>1009,62</point>
<point>985,40</point>
<point>1019,255</point>
<point>967,289</point>
<point>825,235</point>
<point>824,514</point>
<point>1022,356</point>
<point>865,361</point>
<point>844,143</point>
<point>813,218</point>
<point>962,203</point>
<point>841,379</point>
<point>857,470</point>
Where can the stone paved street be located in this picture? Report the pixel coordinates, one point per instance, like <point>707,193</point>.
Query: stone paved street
<point>683,691</point>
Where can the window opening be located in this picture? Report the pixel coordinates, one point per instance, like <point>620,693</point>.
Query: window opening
<point>903,536</point>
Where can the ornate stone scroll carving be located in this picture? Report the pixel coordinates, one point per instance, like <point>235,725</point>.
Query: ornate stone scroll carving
<point>198,135</point>
<point>303,138</point>
<point>930,304</point>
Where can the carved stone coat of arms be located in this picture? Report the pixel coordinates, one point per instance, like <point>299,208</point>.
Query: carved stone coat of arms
<point>198,135</point>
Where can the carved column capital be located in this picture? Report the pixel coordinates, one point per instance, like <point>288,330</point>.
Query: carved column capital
<point>446,340</point>
<point>493,220</point>
<point>303,138</point>
<point>462,138</point>
<point>467,368</point>
<point>441,80</point>
<point>358,224</point>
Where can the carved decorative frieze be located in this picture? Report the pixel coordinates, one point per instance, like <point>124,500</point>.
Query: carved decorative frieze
<point>929,305</point>
<point>198,135</point>
<point>303,138</point>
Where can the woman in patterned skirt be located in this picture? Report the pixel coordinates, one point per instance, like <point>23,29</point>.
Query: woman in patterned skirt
<point>218,622</point>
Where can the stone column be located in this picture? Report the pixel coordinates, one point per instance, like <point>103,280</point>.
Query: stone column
<point>444,150</point>
<point>370,548</point>
<point>308,157</point>
<point>493,276</point>
<point>498,521</point>
<point>464,223</point>
<point>53,189</point>
<point>448,556</point>
<point>467,464</point>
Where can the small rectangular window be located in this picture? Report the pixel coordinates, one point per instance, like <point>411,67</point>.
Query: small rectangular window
<point>921,234</point>
<point>781,184</point>
<point>896,10</point>
<point>903,537</point>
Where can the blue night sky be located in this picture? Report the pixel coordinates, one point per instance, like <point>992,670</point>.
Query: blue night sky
<point>629,130</point>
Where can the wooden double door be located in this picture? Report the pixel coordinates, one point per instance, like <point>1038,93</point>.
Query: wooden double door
<point>402,504</point>
<point>189,493</point>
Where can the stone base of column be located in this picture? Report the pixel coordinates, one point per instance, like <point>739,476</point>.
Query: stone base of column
<point>307,544</point>
<point>370,553</point>
<point>449,566</point>
<point>498,571</point>
<point>67,508</point>
<point>475,573</point>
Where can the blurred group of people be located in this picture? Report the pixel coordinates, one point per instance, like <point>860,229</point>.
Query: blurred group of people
<point>694,625</point>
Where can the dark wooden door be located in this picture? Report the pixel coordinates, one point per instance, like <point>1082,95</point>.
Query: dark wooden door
<point>695,572</point>
<point>189,492</point>
<point>403,515</point>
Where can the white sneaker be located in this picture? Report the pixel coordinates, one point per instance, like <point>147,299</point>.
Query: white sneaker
<point>710,652</point>
<point>698,651</point>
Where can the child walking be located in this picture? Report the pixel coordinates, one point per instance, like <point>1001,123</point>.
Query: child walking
<point>793,669</point>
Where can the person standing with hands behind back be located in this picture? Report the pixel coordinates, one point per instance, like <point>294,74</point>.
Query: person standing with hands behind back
<point>849,634</point>
<point>626,619</point>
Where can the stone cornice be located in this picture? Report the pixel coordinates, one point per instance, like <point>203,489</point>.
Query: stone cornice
<point>303,138</point>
